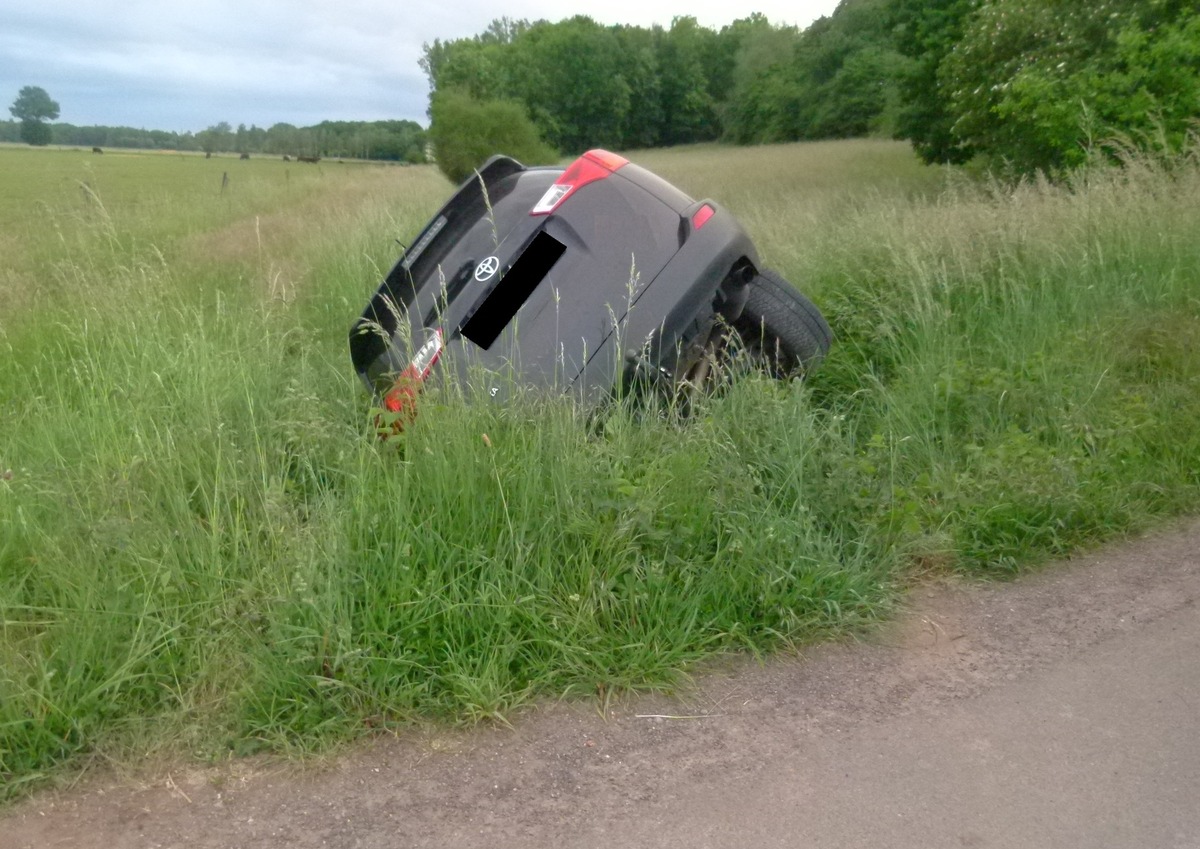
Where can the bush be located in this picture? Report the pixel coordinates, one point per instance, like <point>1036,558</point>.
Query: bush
<point>1032,84</point>
<point>466,131</point>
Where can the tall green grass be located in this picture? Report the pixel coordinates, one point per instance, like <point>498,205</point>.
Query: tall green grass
<point>1029,358</point>
<point>205,549</point>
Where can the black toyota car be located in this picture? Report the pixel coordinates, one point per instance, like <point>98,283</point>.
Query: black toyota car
<point>584,279</point>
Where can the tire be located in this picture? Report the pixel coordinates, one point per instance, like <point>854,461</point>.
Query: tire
<point>781,328</point>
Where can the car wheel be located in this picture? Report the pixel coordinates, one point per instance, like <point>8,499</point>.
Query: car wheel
<point>781,328</point>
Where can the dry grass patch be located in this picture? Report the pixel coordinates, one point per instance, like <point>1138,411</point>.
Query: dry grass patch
<point>278,247</point>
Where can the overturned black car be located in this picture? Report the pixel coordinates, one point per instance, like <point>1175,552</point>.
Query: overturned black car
<point>586,279</point>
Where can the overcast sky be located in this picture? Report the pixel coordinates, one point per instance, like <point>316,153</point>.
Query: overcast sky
<point>168,65</point>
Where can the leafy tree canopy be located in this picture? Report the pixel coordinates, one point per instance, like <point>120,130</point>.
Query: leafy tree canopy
<point>34,104</point>
<point>1033,82</point>
<point>33,107</point>
<point>465,131</point>
<point>585,84</point>
<point>926,31</point>
<point>838,78</point>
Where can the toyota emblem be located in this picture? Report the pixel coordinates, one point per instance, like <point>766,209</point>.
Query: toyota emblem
<point>487,269</point>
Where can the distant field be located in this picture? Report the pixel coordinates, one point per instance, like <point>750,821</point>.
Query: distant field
<point>56,179</point>
<point>58,204</point>
<point>204,551</point>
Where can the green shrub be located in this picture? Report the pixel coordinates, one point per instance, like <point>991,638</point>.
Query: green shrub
<point>466,131</point>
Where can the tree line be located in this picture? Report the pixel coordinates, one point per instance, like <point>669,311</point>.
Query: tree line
<point>397,141</point>
<point>1024,82</point>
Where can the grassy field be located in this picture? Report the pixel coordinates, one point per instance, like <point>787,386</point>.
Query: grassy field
<point>204,550</point>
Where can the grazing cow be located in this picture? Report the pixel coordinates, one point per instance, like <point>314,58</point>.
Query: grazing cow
<point>244,156</point>
<point>208,154</point>
<point>287,158</point>
<point>97,150</point>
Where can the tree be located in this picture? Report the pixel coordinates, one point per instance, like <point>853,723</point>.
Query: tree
<point>639,68</point>
<point>751,109</point>
<point>689,114</point>
<point>836,79</point>
<point>583,84</point>
<point>844,73</point>
<point>926,32</point>
<point>577,80</point>
<point>34,104</point>
<point>466,131</point>
<point>861,97</point>
<point>1031,83</point>
<point>33,107</point>
<point>475,65</point>
<point>577,95</point>
<point>218,137</point>
<point>283,138</point>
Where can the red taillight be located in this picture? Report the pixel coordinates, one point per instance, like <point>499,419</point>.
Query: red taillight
<point>402,393</point>
<point>611,161</point>
<point>592,166</point>
<point>702,215</point>
<point>402,396</point>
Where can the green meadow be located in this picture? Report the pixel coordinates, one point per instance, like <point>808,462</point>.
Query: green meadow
<point>205,552</point>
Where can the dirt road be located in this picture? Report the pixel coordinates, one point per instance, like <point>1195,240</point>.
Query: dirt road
<point>1059,711</point>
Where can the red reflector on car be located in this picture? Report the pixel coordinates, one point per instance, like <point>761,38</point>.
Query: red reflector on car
<point>702,215</point>
<point>401,398</point>
<point>592,166</point>
<point>402,393</point>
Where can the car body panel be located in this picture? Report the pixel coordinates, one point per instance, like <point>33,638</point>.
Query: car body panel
<point>618,271</point>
